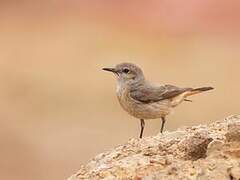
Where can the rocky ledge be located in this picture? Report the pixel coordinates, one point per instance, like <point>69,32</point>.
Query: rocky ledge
<point>202,152</point>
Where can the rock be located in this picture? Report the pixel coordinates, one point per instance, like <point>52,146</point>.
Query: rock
<point>195,146</point>
<point>233,133</point>
<point>194,153</point>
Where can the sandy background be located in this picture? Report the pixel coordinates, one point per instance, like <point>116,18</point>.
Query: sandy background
<point>58,109</point>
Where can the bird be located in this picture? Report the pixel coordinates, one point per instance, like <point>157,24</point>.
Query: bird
<point>145,100</point>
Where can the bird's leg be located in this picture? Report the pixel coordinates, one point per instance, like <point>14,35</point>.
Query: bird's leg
<point>142,127</point>
<point>163,122</point>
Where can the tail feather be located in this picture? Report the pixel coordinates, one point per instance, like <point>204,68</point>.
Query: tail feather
<point>203,89</point>
<point>199,90</point>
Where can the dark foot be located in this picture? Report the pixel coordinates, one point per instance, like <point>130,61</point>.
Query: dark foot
<point>163,123</point>
<point>142,127</point>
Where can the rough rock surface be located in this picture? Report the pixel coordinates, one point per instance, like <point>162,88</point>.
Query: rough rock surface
<point>199,152</point>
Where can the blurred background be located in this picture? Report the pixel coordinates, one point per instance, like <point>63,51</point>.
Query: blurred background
<point>58,109</point>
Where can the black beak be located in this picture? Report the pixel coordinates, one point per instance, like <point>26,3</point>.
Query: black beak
<point>110,70</point>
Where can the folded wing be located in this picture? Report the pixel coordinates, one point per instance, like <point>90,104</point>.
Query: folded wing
<point>150,94</point>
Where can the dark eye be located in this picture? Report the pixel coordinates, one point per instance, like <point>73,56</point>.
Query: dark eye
<point>126,70</point>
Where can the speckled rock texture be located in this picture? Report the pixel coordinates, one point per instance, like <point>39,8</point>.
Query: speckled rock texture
<point>203,152</point>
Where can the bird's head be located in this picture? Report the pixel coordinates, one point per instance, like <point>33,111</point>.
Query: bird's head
<point>127,73</point>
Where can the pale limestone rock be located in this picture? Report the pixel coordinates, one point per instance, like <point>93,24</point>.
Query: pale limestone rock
<point>203,152</point>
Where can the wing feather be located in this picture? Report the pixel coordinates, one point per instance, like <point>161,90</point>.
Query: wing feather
<point>149,94</point>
